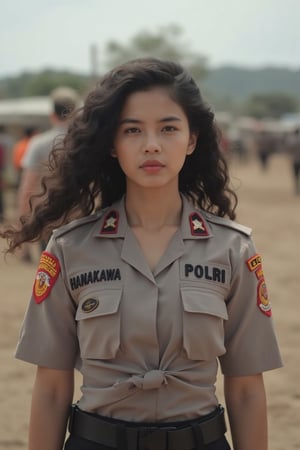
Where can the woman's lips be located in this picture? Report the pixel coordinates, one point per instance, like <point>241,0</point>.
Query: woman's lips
<point>152,166</point>
<point>152,163</point>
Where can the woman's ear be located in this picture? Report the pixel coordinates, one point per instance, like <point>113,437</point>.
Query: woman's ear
<point>113,153</point>
<point>192,143</point>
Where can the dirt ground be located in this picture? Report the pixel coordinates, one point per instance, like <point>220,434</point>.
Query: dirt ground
<point>268,205</point>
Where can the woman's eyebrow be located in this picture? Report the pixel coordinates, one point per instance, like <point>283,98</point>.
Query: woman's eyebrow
<point>170,119</point>
<point>164,119</point>
<point>129,120</point>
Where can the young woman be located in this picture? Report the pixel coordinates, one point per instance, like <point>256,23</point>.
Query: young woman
<point>145,295</point>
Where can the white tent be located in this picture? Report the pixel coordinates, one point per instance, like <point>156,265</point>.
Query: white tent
<point>25,111</point>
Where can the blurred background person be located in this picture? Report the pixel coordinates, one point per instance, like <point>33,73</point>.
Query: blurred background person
<point>265,146</point>
<point>6,143</point>
<point>33,164</point>
<point>19,150</point>
<point>293,148</point>
<point>18,153</point>
<point>237,144</point>
<point>1,181</point>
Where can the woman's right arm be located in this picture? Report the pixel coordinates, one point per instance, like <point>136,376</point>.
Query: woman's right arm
<point>51,399</point>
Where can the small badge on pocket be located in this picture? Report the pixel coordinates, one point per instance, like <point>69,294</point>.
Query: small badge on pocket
<point>90,305</point>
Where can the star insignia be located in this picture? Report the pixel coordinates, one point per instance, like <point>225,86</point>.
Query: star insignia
<point>197,225</point>
<point>110,223</point>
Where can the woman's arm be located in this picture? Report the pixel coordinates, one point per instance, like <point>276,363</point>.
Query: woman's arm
<point>247,411</point>
<point>51,400</point>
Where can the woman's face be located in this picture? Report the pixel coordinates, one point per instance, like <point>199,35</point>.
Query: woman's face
<point>153,139</point>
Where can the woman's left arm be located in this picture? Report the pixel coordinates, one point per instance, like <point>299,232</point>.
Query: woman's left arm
<point>247,411</point>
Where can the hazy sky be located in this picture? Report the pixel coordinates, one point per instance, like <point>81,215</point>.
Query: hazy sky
<point>35,34</point>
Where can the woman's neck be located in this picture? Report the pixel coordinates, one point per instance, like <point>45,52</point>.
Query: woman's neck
<point>153,210</point>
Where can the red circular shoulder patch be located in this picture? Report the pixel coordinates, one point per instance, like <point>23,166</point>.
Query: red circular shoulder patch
<point>47,273</point>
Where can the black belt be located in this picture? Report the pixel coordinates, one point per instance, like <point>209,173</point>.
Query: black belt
<point>195,434</point>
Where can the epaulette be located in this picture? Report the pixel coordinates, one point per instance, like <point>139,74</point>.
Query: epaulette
<point>227,223</point>
<point>78,223</point>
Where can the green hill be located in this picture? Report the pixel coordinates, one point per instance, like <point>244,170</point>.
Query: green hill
<point>238,83</point>
<point>226,87</point>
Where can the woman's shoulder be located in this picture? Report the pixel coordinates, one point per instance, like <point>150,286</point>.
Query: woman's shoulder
<point>77,224</point>
<point>227,223</point>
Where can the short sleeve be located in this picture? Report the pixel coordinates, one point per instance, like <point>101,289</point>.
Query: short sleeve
<point>48,335</point>
<point>250,340</point>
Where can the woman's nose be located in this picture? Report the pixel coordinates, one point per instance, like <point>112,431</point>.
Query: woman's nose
<point>152,145</point>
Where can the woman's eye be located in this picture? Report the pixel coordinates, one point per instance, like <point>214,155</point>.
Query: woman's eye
<point>132,130</point>
<point>169,128</point>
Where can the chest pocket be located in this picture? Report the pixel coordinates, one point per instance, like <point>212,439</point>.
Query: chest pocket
<point>203,315</point>
<point>98,324</point>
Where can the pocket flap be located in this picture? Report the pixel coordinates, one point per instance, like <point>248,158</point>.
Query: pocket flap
<point>203,302</point>
<point>100,303</point>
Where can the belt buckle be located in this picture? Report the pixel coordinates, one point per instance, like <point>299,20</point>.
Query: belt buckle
<point>154,438</point>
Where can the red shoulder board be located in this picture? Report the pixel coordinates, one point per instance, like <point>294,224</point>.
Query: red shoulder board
<point>47,273</point>
<point>110,223</point>
<point>197,225</point>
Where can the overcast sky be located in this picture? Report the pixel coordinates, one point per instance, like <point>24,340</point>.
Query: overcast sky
<point>58,33</point>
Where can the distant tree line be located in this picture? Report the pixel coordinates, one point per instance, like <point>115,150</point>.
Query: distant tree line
<point>258,93</point>
<point>31,84</point>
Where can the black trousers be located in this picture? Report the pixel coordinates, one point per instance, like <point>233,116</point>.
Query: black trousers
<point>296,172</point>
<point>76,443</point>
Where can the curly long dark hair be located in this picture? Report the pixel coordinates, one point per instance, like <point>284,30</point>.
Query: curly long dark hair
<point>82,170</point>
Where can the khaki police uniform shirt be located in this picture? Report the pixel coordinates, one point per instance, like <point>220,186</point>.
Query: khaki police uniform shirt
<point>148,343</point>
